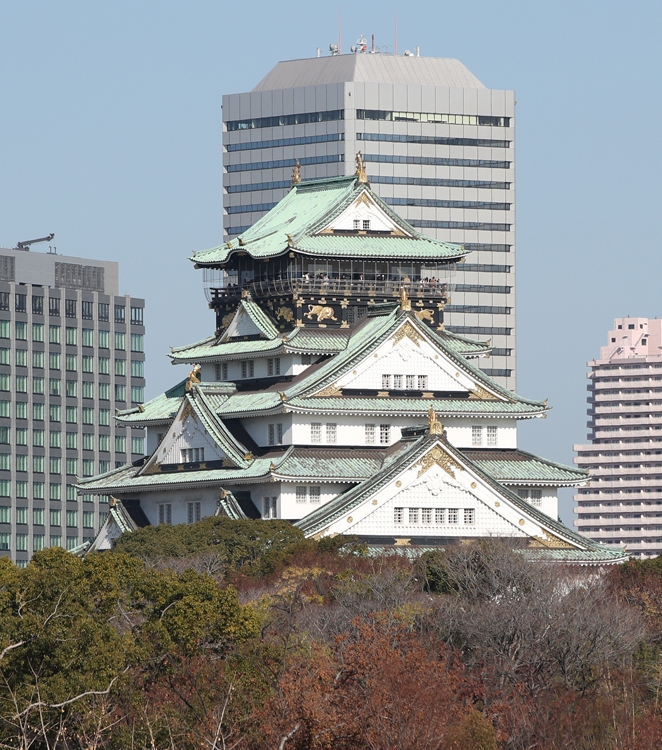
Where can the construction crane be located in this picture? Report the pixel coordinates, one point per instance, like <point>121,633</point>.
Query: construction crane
<point>25,245</point>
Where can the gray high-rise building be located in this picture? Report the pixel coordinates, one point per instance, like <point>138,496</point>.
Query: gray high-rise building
<point>438,146</point>
<point>71,353</point>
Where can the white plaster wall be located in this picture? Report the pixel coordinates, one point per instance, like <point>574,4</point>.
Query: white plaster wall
<point>207,497</point>
<point>258,428</point>
<point>459,431</point>
<point>188,434</point>
<point>291,510</point>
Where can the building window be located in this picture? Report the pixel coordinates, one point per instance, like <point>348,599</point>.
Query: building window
<point>453,516</point>
<point>370,434</point>
<point>88,364</point>
<point>302,494</point>
<point>193,455</point>
<point>440,516</point>
<point>366,225</point>
<point>104,309</point>
<point>72,518</point>
<point>137,394</point>
<point>72,543</point>
<point>426,516</point>
<point>120,444</point>
<point>37,305</point>
<point>136,316</point>
<point>137,342</point>
<point>4,301</point>
<point>20,301</point>
<point>104,365</point>
<point>165,513</point>
<point>469,516</point>
<point>331,433</point>
<point>21,410</point>
<point>411,382</point>
<point>72,466</point>
<point>72,363</point>
<point>315,494</point>
<point>88,467</point>
<point>315,432</point>
<point>384,434</point>
<point>221,371</point>
<point>247,368</point>
<point>21,331</point>
<point>120,392</point>
<point>70,308</point>
<point>386,382</point>
<point>273,366</point>
<point>398,515</point>
<point>119,313</point>
<point>104,339</point>
<point>120,341</point>
<point>275,434</point>
<point>536,498</point>
<point>491,436</point>
<point>269,507</point>
<point>422,382</point>
<point>21,436</point>
<point>476,435</point>
<point>22,489</point>
<point>22,542</point>
<point>306,359</point>
<point>87,310</point>
<point>413,515</point>
<point>54,307</point>
<point>120,367</point>
<point>88,519</point>
<point>193,512</point>
<point>138,445</point>
<point>356,224</point>
<point>54,360</point>
<point>72,414</point>
<point>398,382</point>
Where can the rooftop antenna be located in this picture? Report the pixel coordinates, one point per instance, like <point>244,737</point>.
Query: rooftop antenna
<point>373,44</point>
<point>25,245</point>
<point>339,31</point>
<point>395,32</point>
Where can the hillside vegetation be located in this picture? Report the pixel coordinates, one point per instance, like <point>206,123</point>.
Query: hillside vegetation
<point>242,634</point>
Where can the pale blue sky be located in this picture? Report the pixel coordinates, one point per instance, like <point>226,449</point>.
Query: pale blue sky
<point>110,136</point>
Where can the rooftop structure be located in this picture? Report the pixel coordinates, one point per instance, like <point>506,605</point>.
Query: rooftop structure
<point>438,148</point>
<point>623,504</point>
<point>381,426</point>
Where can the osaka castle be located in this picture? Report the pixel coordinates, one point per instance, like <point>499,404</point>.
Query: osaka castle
<point>331,395</point>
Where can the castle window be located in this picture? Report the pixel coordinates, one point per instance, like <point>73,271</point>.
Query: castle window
<point>492,436</point>
<point>331,433</point>
<point>222,371</point>
<point>306,359</point>
<point>397,382</point>
<point>165,513</point>
<point>469,516</point>
<point>440,515</point>
<point>269,507</point>
<point>422,382</point>
<point>370,434</point>
<point>411,382</point>
<point>476,435</point>
<point>384,434</point>
<point>357,224</point>
<point>398,515</point>
<point>247,368</point>
<point>302,494</point>
<point>193,512</point>
<point>453,516</point>
<point>273,366</point>
<point>413,515</point>
<point>426,515</point>
<point>315,494</point>
<point>366,225</point>
<point>315,432</point>
<point>386,382</point>
<point>536,498</point>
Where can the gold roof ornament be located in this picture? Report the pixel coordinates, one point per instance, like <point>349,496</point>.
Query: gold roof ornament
<point>193,378</point>
<point>241,242</point>
<point>405,302</point>
<point>296,174</point>
<point>435,427</point>
<point>290,240</point>
<point>360,168</point>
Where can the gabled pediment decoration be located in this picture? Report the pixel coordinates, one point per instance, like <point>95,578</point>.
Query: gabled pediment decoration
<point>364,215</point>
<point>479,393</point>
<point>406,331</point>
<point>438,457</point>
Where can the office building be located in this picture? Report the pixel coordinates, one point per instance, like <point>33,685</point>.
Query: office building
<point>438,147</point>
<point>71,353</point>
<point>623,504</point>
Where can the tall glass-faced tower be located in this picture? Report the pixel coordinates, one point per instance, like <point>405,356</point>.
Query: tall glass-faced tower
<point>437,144</point>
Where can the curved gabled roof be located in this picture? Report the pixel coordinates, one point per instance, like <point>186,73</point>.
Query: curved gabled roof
<point>295,223</point>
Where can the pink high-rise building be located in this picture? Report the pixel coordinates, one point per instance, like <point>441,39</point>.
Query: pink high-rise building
<point>622,505</point>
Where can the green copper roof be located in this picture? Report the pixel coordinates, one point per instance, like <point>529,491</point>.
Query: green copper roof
<point>259,317</point>
<point>410,406</point>
<point>158,410</point>
<point>332,464</point>
<point>306,340</point>
<point>520,467</point>
<point>308,207</point>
